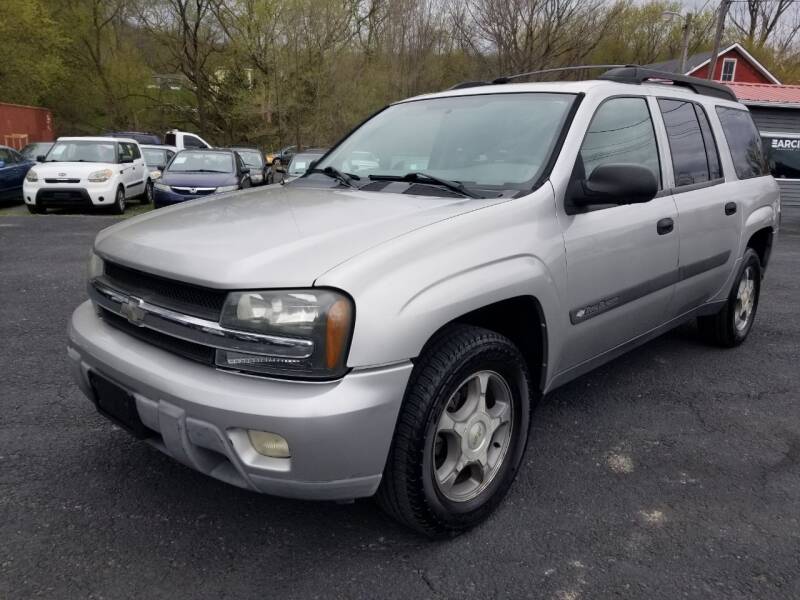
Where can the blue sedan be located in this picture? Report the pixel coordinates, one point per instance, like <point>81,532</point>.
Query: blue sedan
<point>13,168</point>
<point>195,173</point>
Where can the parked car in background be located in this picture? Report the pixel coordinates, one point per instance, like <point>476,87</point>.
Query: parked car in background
<point>183,140</point>
<point>156,157</point>
<point>89,172</point>
<point>285,155</point>
<point>139,136</point>
<point>35,150</point>
<point>13,168</point>
<point>197,173</point>
<point>254,161</point>
<point>301,162</point>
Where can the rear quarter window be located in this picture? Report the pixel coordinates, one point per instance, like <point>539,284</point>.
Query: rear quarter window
<point>744,142</point>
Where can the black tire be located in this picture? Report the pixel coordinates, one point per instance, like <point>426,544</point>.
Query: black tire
<point>118,208</point>
<point>35,209</point>
<point>147,197</point>
<point>728,328</point>
<point>409,491</point>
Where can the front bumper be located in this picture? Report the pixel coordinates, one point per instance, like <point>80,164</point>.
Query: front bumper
<point>70,195</point>
<point>162,198</point>
<point>338,432</point>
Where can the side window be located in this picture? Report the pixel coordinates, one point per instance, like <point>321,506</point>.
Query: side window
<point>686,144</point>
<point>135,151</point>
<point>712,152</point>
<point>5,155</point>
<point>191,141</point>
<point>125,151</point>
<point>744,142</point>
<point>621,131</point>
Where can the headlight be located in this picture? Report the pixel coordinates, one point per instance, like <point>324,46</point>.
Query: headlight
<point>227,188</point>
<point>312,330</point>
<point>161,186</point>
<point>96,267</point>
<point>155,174</point>
<point>101,176</point>
<point>32,176</point>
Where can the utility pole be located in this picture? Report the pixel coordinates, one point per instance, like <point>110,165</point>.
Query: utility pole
<point>687,31</point>
<point>723,13</point>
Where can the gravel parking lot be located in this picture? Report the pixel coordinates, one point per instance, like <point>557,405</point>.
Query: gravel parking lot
<point>671,472</point>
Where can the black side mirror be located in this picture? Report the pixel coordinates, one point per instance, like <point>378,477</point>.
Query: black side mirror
<point>246,171</point>
<point>614,184</point>
<point>40,158</point>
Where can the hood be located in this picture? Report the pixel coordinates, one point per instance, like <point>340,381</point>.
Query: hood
<point>278,236</point>
<point>71,170</point>
<point>198,180</point>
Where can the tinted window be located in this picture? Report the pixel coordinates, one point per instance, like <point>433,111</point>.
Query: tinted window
<point>686,145</point>
<point>6,156</point>
<point>712,154</point>
<point>744,142</point>
<point>192,142</point>
<point>125,151</point>
<point>783,154</point>
<point>621,131</point>
<point>169,139</point>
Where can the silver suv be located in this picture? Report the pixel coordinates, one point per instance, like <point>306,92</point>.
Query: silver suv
<point>384,326</point>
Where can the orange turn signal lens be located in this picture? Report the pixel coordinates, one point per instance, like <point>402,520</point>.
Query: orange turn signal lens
<point>337,332</point>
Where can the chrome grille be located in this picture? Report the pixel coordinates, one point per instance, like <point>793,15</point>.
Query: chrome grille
<point>186,298</point>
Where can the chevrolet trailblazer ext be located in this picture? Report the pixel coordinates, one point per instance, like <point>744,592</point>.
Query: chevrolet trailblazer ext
<point>385,328</point>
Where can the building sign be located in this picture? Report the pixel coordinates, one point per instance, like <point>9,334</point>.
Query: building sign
<point>784,156</point>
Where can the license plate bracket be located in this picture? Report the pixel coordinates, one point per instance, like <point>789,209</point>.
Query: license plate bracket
<point>118,405</point>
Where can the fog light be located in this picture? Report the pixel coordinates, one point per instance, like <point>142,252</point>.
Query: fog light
<point>269,444</point>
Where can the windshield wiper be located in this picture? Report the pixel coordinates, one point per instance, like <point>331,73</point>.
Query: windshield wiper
<point>334,173</point>
<point>420,177</point>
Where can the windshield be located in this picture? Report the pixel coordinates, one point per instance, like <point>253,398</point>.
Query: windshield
<point>202,162</point>
<point>300,162</point>
<point>252,158</point>
<point>83,151</point>
<point>154,157</point>
<point>488,140</point>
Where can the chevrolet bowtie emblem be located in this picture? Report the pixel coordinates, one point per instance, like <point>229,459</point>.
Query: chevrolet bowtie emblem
<point>132,310</point>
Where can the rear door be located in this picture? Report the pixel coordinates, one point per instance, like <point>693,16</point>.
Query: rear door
<point>621,260</point>
<point>708,220</point>
<point>139,170</point>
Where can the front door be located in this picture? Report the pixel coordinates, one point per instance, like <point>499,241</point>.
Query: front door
<point>621,260</point>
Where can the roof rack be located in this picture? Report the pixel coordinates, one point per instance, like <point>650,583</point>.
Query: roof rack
<point>637,75</point>
<point>633,74</point>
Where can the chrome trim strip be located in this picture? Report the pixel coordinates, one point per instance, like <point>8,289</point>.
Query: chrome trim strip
<point>193,329</point>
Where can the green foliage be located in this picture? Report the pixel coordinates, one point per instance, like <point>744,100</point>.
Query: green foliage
<point>279,72</point>
<point>32,51</point>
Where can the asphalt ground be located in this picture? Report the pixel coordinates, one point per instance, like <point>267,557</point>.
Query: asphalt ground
<point>672,472</point>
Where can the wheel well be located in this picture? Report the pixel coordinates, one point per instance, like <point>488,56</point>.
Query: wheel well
<point>761,242</point>
<point>520,319</point>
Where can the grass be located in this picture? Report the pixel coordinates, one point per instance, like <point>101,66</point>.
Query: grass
<point>16,209</point>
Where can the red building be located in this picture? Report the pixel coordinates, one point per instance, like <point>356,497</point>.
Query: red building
<point>21,125</point>
<point>734,64</point>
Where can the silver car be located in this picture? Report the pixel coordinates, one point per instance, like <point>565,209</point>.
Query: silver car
<point>388,331</point>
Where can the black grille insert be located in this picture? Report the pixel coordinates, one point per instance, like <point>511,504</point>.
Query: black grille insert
<point>185,298</point>
<point>198,352</point>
